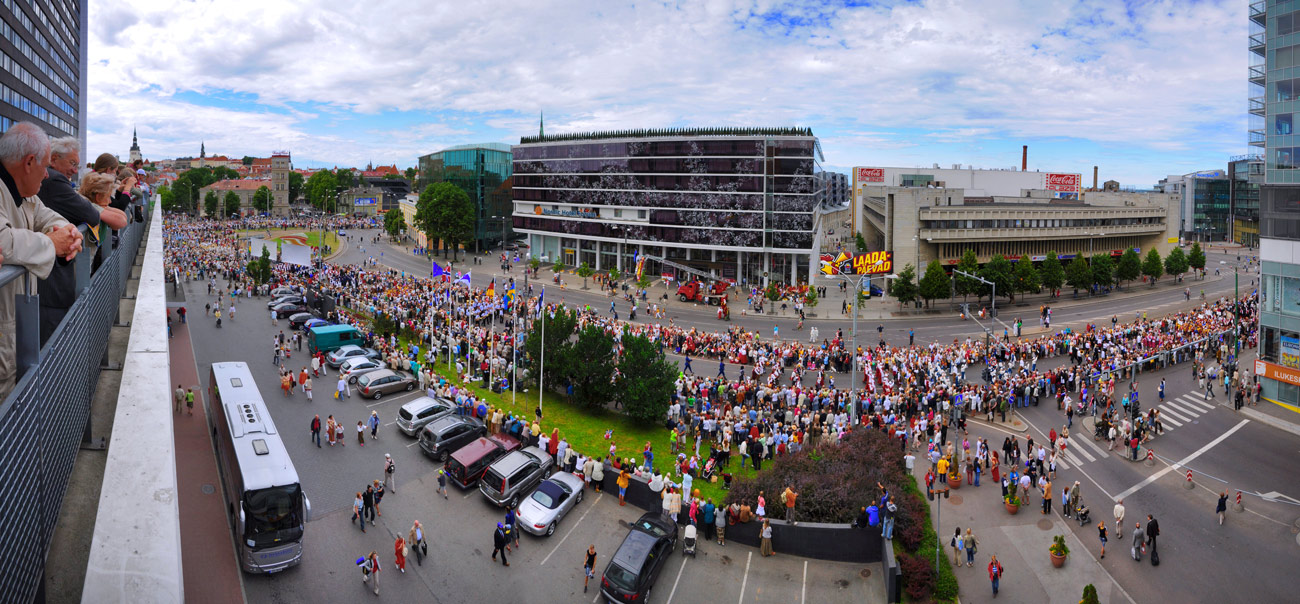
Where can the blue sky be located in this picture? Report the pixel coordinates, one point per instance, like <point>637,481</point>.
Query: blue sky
<point>1141,89</point>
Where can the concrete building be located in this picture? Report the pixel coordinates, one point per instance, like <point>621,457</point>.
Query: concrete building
<point>1205,213</point>
<point>739,203</point>
<point>484,171</point>
<point>1274,105</point>
<point>974,183</point>
<point>837,189</point>
<point>920,224</point>
<point>44,75</point>
<point>245,189</point>
<point>407,205</point>
<point>393,190</point>
<point>281,165</point>
<point>361,201</point>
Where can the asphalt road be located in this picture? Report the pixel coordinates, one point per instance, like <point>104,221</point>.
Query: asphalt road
<point>460,528</point>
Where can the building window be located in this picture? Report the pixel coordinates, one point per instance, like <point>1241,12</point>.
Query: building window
<point>618,213</point>
<point>1282,124</point>
<point>641,214</point>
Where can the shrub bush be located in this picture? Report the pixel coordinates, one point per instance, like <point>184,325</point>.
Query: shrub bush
<point>834,482</point>
<point>917,575</point>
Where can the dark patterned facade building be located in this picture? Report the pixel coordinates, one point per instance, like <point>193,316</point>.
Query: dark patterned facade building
<point>733,203</point>
<point>44,76</point>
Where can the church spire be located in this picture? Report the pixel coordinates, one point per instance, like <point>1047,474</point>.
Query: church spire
<point>541,124</point>
<point>134,142</point>
<point>202,151</point>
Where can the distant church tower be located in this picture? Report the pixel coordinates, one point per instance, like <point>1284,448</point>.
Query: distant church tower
<point>541,124</point>
<point>202,151</point>
<point>135,148</point>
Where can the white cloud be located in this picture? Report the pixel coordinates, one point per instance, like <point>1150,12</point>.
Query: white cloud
<point>964,71</point>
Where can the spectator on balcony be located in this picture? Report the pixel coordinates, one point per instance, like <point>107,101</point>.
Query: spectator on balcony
<point>58,291</point>
<point>31,235</point>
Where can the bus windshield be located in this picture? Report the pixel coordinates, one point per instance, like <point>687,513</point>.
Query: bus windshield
<point>273,516</point>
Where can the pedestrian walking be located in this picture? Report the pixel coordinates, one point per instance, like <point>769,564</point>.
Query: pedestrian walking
<point>512,528</point>
<point>361,433</point>
<point>1101,534</point>
<point>957,546</point>
<point>766,535</point>
<point>339,434</point>
<point>995,573</point>
<point>179,397</point>
<point>970,543</point>
<point>1153,531</point>
<point>442,483</point>
<point>306,387</point>
<point>390,482</point>
<point>379,496</point>
<point>374,425</point>
<point>415,540</point>
<point>1222,506</point>
<point>1119,519</point>
<point>499,544</point>
<point>358,511</point>
<point>342,393</point>
<point>189,401</point>
<point>1139,541</point>
<point>370,571</point>
<point>315,431</point>
<point>368,506</point>
<point>588,566</point>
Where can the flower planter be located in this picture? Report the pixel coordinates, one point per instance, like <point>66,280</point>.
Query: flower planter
<point>1011,508</point>
<point>954,482</point>
<point>1057,561</point>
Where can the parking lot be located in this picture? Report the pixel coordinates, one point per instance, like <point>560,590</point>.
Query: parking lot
<point>459,529</point>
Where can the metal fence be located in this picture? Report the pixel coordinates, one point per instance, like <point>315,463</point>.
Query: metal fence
<point>44,419</point>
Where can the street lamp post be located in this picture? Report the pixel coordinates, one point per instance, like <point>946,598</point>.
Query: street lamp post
<point>993,300</point>
<point>857,281</point>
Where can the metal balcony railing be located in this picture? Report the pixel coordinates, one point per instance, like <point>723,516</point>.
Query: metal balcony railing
<point>1255,136</point>
<point>1013,233</point>
<point>1257,73</point>
<point>1255,105</point>
<point>1257,41</point>
<point>1259,11</point>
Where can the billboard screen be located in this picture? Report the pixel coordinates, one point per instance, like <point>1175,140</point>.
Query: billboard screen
<point>871,175</point>
<point>1063,182</point>
<point>364,201</point>
<point>296,254</point>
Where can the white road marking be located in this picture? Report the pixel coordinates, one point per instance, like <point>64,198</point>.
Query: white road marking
<point>1169,411</point>
<point>412,444</point>
<point>803,593</point>
<point>1167,419</point>
<point>1195,404</point>
<point>1154,477</point>
<point>678,579</point>
<point>574,527</point>
<point>1068,454</point>
<point>1081,451</point>
<point>745,581</point>
<point>1101,453</point>
<point>1197,394</point>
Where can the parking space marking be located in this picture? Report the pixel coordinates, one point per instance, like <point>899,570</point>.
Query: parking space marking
<point>744,581</point>
<point>386,400</point>
<point>575,526</point>
<point>803,593</point>
<point>469,492</point>
<point>412,444</point>
<point>679,578</point>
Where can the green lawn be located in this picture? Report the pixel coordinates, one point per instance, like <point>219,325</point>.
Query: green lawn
<point>585,430</point>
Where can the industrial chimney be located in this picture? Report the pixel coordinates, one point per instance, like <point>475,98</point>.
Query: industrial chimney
<point>1094,178</point>
<point>1024,157</point>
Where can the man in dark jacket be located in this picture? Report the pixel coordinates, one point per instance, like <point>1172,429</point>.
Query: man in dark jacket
<point>1153,531</point>
<point>59,290</point>
<point>368,501</point>
<point>499,543</point>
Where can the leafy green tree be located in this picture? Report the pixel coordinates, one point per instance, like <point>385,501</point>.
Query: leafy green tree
<point>322,191</point>
<point>646,281</point>
<point>646,380</point>
<point>1196,259</point>
<point>860,242</point>
<point>411,173</point>
<point>534,263</point>
<point>248,160</point>
<point>772,292</point>
<point>1176,263</point>
<point>224,173</point>
<point>591,370</point>
<point>559,330</point>
<point>1024,277</point>
<point>584,271</point>
<point>184,196</point>
<point>810,298</point>
<point>1052,274</point>
<point>904,288</point>
<point>1078,274</point>
<point>965,285</point>
<point>1152,267</point>
<point>345,177</point>
<point>262,199</point>
<point>296,180</point>
<point>1129,267</point>
<point>998,270</point>
<point>615,274</point>
<point>394,223</point>
<point>1103,270</point>
<point>934,284</point>
<point>231,203</point>
<point>170,202</point>
<point>456,213</point>
<point>259,269</point>
<point>211,204</point>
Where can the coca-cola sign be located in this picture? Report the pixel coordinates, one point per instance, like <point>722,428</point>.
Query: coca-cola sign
<point>1063,182</point>
<point>871,175</point>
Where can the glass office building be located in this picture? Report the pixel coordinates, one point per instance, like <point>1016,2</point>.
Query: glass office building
<point>1244,175</point>
<point>728,203</point>
<point>483,171</point>
<point>44,75</point>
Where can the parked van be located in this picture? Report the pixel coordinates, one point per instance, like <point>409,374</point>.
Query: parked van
<point>329,338</point>
<point>516,473</point>
<point>468,463</point>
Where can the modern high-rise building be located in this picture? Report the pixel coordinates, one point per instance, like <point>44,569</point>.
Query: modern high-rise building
<point>1244,175</point>
<point>1274,106</point>
<point>731,203</point>
<point>484,172</point>
<point>44,75</point>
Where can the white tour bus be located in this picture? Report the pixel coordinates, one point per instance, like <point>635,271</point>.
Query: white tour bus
<point>265,505</point>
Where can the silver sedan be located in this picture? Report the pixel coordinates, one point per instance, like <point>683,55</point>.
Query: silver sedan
<point>549,502</point>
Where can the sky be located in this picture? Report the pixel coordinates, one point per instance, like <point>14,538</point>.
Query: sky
<point>1141,89</point>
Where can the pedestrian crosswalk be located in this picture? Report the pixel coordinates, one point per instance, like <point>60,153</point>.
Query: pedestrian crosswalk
<point>1174,413</point>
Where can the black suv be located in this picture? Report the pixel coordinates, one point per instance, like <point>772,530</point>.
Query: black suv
<point>635,566</point>
<point>443,436</point>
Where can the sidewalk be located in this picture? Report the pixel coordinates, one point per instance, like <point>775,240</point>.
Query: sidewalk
<point>1020,542</point>
<point>211,572</point>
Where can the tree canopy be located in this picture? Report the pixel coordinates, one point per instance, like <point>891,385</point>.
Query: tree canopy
<point>998,270</point>
<point>1152,267</point>
<point>1196,259</point>
<point>262,199</point>
<point>1052,274</point>
<point>1176,262</point>
<point>646,380</point>
<point>904,288</point>
<point>394,223</point>
<point>1077,274</point>
<point>445,213</point>
<point>934,284</point>
<point>231,203</point>
<point>210,204</point>
<point>1130,266</point>
<point>322,191</point>
<point>1103,270</point>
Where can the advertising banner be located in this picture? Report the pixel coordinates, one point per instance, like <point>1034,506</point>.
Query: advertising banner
<point>1063,182</point>
<point>296,254</point>
<point>1290,356</point>
<point>1277,372</point>
<point>871,175</point>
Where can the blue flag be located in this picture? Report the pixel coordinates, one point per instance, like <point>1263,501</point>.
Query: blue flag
<point>436,271</point>
<point>540,303</point>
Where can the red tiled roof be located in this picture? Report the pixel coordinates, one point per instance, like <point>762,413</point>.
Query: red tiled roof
<point>239,185</point>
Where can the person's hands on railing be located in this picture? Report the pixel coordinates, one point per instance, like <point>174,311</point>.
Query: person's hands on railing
<point>67,241</point>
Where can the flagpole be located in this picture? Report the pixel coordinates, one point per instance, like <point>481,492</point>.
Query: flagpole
<point>514,349</point>
<point>541,365</point>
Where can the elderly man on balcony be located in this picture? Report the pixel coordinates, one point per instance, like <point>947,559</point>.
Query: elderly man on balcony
<point>31,235</point>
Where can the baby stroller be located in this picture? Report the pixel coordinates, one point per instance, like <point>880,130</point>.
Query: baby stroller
<point>711,465</point>
<point>688,542</point>
<point>1081,513</point>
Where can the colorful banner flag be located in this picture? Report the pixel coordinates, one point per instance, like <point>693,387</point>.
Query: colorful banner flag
<point>492,288</point>
<point>462,279</point>
<point>640,265</point>
<point>436,271</point>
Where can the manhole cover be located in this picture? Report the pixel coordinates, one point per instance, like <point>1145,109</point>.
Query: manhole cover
<point>208,489</point>
<point>864,573</point>
<point>1045,524</point>
<point>955,500</point>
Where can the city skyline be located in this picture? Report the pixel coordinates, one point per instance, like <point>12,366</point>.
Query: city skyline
<point>887,83</point>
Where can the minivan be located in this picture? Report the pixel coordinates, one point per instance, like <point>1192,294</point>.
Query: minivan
<point>468,463</point>
<point>329,338</point>
<point>516,473</point>
<point>420,412</point>
<point>443,436</point>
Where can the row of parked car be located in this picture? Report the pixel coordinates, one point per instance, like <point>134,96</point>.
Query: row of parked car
<point>510,475</point>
